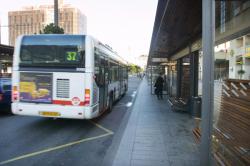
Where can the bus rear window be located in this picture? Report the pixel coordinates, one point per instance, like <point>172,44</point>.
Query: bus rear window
<point>53,50</point>
<point>6,87</point>
<point>5,84</point>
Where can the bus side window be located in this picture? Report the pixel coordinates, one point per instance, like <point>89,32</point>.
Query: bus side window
<point>82,56</point>
<point>102,68</point>
<point>114,71</point>
<point>97,69</point>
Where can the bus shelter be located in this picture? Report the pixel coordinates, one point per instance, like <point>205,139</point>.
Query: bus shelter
<point>206,49</point>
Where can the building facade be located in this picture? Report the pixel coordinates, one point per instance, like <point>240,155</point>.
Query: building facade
<point>239,62</point>
<point>32,19</point>
<point>142,61</point>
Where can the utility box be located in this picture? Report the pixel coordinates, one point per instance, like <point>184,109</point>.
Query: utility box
<point>196,106</point>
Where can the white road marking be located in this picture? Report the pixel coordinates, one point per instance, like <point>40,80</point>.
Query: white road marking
<point>133,94</point>
<point>129,104</point>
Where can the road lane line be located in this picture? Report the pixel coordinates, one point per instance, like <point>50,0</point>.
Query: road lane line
<point>129,104</point>
<point>57,147</point>
<point>101,127</point>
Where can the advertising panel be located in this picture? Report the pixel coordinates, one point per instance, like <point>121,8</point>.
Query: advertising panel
<point>36,87</point>
<point>248,51</point>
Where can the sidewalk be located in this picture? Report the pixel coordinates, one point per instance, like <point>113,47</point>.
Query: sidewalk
<point>156,136</point>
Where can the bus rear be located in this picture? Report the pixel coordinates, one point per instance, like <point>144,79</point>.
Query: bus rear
<point>50,77</point>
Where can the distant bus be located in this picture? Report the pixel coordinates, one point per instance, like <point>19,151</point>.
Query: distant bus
<point>66,76</point>
<point>5,77</point>
<point>5,92</point>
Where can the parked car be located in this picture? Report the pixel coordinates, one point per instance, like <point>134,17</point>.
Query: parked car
<point>5,93</point>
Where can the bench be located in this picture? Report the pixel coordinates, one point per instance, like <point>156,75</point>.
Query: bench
<point>178,104</point>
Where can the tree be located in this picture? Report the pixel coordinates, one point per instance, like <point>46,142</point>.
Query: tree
<point>134,69</point>
<point>52,29</point>
<point>241,72</point>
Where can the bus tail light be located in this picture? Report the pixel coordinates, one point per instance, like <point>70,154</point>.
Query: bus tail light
<point>87,97</point>
<point>14,93</point>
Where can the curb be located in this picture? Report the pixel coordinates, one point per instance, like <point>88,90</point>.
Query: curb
<point>116,141</point>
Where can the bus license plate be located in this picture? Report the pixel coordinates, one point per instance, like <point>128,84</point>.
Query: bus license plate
<point>44,113</point>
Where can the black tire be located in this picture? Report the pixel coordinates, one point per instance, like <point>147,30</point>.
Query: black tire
<point>6,108</point>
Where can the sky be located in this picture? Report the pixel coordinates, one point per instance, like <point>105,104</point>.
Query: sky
<point>125,25</point>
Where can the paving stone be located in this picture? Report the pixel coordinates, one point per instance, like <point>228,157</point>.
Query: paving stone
<point>143,152</point>
<point>148,156</point>
<point>157,149</point>
<point>150,163</point>
<point>157,136</point>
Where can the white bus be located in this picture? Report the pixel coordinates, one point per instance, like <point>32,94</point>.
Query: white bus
<point>66,76</point>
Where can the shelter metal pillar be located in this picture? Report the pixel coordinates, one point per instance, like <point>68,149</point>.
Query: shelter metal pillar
<point>179,76</point>
<point>194,68</point>
<point>208,28</point>
<point>194,107</point>
<point>151,78</point>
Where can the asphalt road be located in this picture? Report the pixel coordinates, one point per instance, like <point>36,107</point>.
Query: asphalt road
<point>35,141</point>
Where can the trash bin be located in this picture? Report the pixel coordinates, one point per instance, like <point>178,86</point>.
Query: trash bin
<point>196,106</point>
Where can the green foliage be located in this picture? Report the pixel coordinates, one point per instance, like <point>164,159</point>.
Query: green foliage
<point>52,29</point>
<point>241,72</point>
<point>240,63</point>
<point>134,69</point>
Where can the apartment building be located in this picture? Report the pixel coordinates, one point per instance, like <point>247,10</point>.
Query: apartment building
<point>32,19</point>
<point>239,62</point>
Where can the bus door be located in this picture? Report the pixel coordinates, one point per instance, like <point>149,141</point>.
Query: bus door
<point>103,87</point>
<point>106,71</point>
<point>120,80</point>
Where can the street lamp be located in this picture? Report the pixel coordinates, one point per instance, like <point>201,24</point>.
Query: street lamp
<point>56,12</point>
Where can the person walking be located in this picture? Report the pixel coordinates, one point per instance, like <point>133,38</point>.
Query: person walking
<point>159,87</point>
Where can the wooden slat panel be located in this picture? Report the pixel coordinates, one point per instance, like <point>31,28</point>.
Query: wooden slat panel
<point>231,137</point>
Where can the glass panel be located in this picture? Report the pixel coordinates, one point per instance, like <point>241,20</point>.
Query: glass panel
<point>172,75</point>
<point>6,87</point>
<point>200,74</point>
<point>185,79</point>
<point>6,65</point>
<point>231,123</point>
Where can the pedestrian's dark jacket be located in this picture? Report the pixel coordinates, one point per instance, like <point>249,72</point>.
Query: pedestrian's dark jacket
<point>159,83</point>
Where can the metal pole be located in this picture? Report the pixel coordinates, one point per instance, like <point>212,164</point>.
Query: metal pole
<point>56,12</point>
<point>208,17</point>
<point>179,77</point>
<point>151,71</point>
<point>0,32</point>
